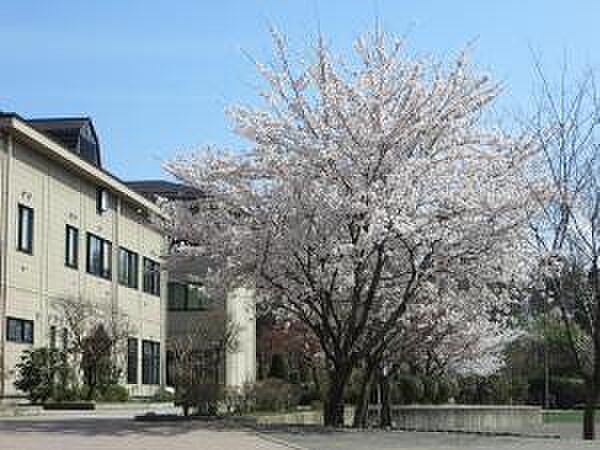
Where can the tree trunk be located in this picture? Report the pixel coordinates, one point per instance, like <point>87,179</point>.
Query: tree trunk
<point>361,413</point>
<point>589,414</point>
<point>316,379</point>
<point>91,384</point>
<point>333,410</point>
<point>385,420</point>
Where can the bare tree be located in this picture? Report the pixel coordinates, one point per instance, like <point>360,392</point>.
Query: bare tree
<point>95,335</point>
<point>566,232</point>
<point>199,356</point>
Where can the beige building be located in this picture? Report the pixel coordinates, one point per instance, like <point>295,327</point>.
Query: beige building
<point>189,309</point>
<point>69,229</point>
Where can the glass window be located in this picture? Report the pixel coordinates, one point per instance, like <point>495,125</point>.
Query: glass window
<point>177,296</point>
<point>99,256</point>
<point>14,330</point>
<point>71,246</point>
<point>196,297</point>
<point>52,337</point>
<point>19,330</point>
<point>185,297</point>
<point>106,259</point>
<point>150,362</point>
<point>25,229</point>
<point>102,200</point>
<point>128,268</point>
<point>28,331</point>
<point>132,360</point>
<point>151,277</point>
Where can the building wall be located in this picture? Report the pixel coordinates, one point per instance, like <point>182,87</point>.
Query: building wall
<point>240,367</point>
<point>31,283</point>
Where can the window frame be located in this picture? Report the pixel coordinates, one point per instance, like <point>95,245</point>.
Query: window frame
<point>150,362</point>
<point>72,261</point>
<point>102,200</point>
<point>104,269</point>
<point>133,364</point>
<point>22,337</point>
<point>172,285</point>
<point>25,213</point>
<point>151,276</point>
<point>130,278</point>
<point>52,337</point>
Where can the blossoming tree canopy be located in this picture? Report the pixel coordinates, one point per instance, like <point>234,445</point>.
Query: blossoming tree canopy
<point>365,181</point>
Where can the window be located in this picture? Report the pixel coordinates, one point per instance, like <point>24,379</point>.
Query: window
<point>150,362</point>
<point>132,360</point>
<point>52,337</point>
<point>19,330</point>
<point>102,200</point>
<point>196,298</point>
<point>151,277</point>
<point>186,297</point>
<point>25,230</point>
<point>128,268</point>
<point>177,294</point>
<point>71,247</point>
<point>65,339</point>
<point>99,256</point>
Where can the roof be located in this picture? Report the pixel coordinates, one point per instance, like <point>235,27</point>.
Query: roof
<point>152,189</point>
<point>58,151</point>
<point>75,133</point>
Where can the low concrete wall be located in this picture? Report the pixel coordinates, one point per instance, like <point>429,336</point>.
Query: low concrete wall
<point>25,409</point>
<point>462,417</point>
<point>311,417</point>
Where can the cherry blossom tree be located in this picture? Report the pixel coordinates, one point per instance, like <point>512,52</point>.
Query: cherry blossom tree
<point>367,180</point>
<point>440,337</point>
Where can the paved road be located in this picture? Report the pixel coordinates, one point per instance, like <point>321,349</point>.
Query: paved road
<point>114,433</point>
<point>423,441</point>
<point>117,430</point>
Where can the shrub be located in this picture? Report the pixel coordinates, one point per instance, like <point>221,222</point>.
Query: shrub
<point>67,393</point>
<point>274,394</point>
<point>278,367</point>
<point>162,395</point>
<point>309,394</point>
<point>493,389</point>
<point>36,373</point>
<point>114,393</point>
<point>239,401</point>
<point>84,393</point>
<point>565,393</point>
<point>408,389</point>
<point>201,399</point>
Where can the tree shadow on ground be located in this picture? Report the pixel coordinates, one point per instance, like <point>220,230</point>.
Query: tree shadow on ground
<point>99,426</point>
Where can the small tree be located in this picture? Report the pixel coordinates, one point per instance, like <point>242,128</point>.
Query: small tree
<point>97,365</point>
<point>198,358</point>
<point>96,335</point>
<point>37,373</point>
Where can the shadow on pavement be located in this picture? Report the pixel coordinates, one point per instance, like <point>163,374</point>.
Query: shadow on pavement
<point>98,426</point>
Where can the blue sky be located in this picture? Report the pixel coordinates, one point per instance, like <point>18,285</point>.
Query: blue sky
<point>156,75</point>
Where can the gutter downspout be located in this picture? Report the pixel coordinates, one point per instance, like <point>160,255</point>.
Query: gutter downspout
<point>5,164</point>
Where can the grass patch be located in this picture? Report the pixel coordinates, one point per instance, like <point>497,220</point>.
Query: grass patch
<point>566,416</point>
